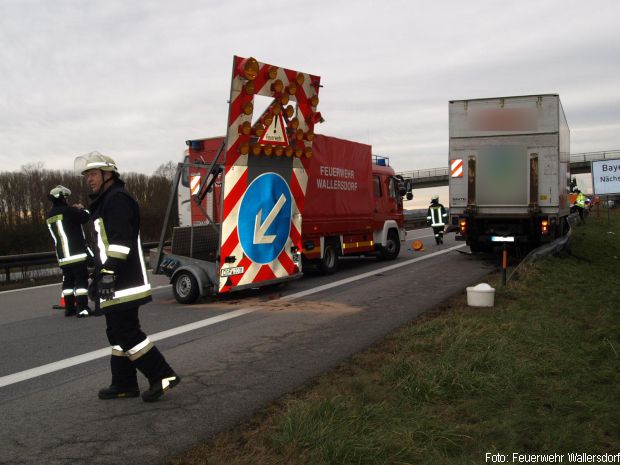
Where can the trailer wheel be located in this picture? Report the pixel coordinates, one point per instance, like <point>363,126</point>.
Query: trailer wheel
<point>329,263</point>
<point>185,288</point>
<point>392,246</point>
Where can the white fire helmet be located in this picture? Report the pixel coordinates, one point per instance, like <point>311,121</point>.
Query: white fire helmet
<point>435,198</point>
<point>94,161</point>
<point>60,191</point>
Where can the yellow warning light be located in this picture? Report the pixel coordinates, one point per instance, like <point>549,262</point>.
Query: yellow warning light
<point>245,128</point>
<point>267,120</point>
<point>288,151</point>
<point>277,109</point>
<point>309,135</point>
<point>268,150</point>
<point>248,88</point>
<point>248,108</point>
<point>277,86</point>
<point>259,130</point>
<point>248,68</point>
<point>299,152</point>
<point>273,72</point>
<point>314,100</point>
<point>308,152</point>
<point>291,88</point>
<point>300,78</point>
<point>255,149</point>
<point>294,123</point>
<point>244,148</point>
<point>284,98</point>
<point>278,150</point>
<point>417,245</point>
<point>289,111</point>
<point>299,134</point>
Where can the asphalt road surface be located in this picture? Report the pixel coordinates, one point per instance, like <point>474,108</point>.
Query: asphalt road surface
<point>235,354</point>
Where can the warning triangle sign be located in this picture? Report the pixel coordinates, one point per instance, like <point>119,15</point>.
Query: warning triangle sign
<point>274,134</point>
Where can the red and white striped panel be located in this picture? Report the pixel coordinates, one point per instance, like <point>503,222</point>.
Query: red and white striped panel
<point>236,180</point>
<point>194,184</point>
<point>456,168</point>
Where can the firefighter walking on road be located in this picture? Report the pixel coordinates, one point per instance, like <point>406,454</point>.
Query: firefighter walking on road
<point>121,284</point>
<point>436,217</point>
<point>65,225</point>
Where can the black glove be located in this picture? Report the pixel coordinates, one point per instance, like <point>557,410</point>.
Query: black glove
<point>105,287</point>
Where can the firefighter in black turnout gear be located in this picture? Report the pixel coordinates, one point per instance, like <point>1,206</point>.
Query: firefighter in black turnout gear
<point>65,225</point>
<point>121,284</point>
<point>436,217</point>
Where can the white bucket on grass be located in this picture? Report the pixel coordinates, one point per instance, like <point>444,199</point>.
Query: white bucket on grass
<point>481,295</point>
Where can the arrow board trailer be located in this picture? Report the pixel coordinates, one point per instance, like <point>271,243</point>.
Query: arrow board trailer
<point>510,179</point>
<point>253,187</point>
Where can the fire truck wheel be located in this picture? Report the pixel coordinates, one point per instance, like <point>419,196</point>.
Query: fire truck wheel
<point>391,249</point>
<point>329,262</point>
<point>185,288</point>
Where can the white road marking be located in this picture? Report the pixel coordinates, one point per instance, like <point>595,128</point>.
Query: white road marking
<point>96,354</point>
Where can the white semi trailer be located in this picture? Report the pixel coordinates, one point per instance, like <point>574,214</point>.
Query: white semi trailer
<point>509,177</point>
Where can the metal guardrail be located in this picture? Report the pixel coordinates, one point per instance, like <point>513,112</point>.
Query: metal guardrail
<point>25,261</point>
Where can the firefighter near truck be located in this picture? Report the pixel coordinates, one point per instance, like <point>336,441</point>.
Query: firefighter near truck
<point>509,178</point>
<point>271,197</point>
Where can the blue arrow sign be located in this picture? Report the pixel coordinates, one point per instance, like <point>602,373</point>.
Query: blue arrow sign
<point>265,218</point>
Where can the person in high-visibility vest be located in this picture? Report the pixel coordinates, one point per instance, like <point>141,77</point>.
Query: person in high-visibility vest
<point>580,203</point>
<point>436,217</point>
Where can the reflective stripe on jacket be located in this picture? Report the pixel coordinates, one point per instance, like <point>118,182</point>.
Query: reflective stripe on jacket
<point>65,226</point>
<point>436,215</point>
<point>116,219</point>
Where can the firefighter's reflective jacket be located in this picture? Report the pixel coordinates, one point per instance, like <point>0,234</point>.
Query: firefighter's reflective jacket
<point>436,215</point>
<point>116,220</point>
<point>65,225</point>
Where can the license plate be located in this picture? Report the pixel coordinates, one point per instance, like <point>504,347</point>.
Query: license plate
<point>502,238</point>
<point>225,272</point>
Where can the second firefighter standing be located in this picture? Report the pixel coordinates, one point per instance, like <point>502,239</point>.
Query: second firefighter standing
<point>65,225</point>
<point>436,217</point>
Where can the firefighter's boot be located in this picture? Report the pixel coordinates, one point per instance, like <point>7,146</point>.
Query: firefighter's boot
<point>83,310</point>
<point>70,305</point>
<point>161,377</point>
<point>124,379</point>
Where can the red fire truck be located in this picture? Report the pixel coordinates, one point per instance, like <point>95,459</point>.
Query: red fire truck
<point>270,197</point>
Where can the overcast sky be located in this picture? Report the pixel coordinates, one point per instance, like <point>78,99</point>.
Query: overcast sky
<point>134,80</point>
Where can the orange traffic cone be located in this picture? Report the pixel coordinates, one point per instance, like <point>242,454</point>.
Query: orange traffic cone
<point>61,305</point>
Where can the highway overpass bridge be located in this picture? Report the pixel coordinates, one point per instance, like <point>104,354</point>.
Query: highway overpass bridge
<point>432,177</point>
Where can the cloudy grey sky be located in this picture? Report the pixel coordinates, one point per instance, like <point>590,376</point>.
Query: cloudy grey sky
<point>136,79</point>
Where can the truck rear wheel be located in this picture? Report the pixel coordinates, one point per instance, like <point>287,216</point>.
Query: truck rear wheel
<point>185,288</point>
<point>329,262</point>
<point>391,249</point>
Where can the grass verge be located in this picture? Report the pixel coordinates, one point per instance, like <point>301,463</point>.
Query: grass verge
<point>538,373</point>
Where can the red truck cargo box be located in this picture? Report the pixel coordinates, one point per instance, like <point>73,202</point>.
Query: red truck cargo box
<point>339,185</point>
